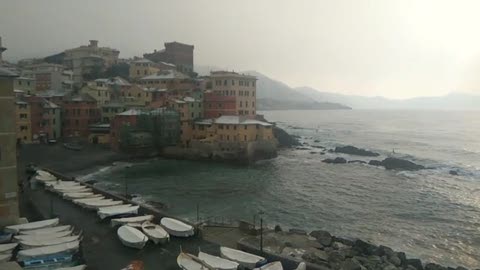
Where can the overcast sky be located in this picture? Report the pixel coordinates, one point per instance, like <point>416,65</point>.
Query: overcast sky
<point>397,49</point>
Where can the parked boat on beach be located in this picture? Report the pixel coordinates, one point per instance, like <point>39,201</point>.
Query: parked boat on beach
<point>112,211</point>
<point>81,195</point>
<point>49,250</point>
<point>100,204</point>
<point>217,262</point>
<point>32,225</point>
<point>243,258</point>
<point>46,178</point>
<point>41,237</point>
<point>131,220</point>
<point>176,227</point>
<point>48,230</point>
<point>43,173</point>
<point>271,266</point>
<point>33,243</point>
<point>7,248</point>
<point>190,262</point>
<point>5,257</point>
<point>301,266</point>
<point>70,189</point>
<point>155,232</point>
<point>132,237</point>
<point>60,183</point>
<point>48,262</point>
<point>78,267</point>
<point>5,237</point>
<point>85,200</point>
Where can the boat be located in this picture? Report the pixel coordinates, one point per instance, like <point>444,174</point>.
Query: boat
<point>71,189</point>
<point>33,243</point>
<point>43,173</point>
<point>48,250</point>
<point>301,266</point>
<point>45,178</point>
<point>83,200</point>
<point>5,257</point>
<point>81,195</point>
<point>243,258</point>
<point>7,248</point>
<point>48,230</point>
<point>5,237</point>
<point>124,209</point>
<point>176,227</point>
<point>217,262</point>
<point>100,204</point>
<point>190,262</point>
<point>78,267</point>
<point>131,220</point>
<point>48,262</point>
<point>32,225</point>
<point>131,237</point>
<point>63,183</point>
<point>155,232</point>
<point>40,237</point>
<point>73,146</point>
<point>271,266</point>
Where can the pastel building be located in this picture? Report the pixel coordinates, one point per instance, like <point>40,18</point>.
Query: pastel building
<point>142,67</point>
<point>47,76</point>
<point>79,112</point>
<point>176,53</point>
<point>23,121</point>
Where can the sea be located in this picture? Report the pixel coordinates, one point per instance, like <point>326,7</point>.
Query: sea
<point>429,214</point>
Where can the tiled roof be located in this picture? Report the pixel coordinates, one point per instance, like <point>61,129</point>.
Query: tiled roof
<point>166,75</point>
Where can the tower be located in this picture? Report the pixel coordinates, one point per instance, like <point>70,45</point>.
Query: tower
<point>2,49</point>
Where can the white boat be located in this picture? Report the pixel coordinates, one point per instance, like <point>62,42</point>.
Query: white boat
<point>112,211</point>
<point>48,250</point>
<point>217,262</point>
<point>5,257</point>
<point>32,225</point>
<point>100,204</point>
<point>63,183</point>
<point>80,201</point>
<point>71,189</point>
<point>155,232</point>
<point>81,195</point>
<point>45,178</point>
<point>42,172</point>
<point>132,237</point>
<point>78,267</point>
<point>48,230</point>
<point>7,248</point>
<point>190,262</point>
<point>40,237</point>
<point>131,220</point>
<point>243,258</point>
<point>301,266</point>
<point>48,242</point>
<point>271,266</point>
<point>176,227</point>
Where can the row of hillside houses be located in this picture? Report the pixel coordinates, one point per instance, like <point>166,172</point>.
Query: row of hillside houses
<point>158,101</point>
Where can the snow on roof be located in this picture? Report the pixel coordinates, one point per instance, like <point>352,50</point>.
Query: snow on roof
<point>167,64</point>
<point>166,75</point>
<point>131,112</point>
<point>188,99</point>
<point>51,105</point>
<point>114,81</point>
<point>237,120</point>
<point>142,60</point>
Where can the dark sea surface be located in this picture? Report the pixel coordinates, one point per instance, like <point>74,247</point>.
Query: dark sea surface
<point>429,214</point>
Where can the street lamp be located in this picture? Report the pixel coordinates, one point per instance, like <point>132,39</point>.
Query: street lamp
<point>125,178</point>
<point>260,213</point>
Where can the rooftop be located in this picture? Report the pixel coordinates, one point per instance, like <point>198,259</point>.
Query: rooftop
<point>114,81</point>
<point>4,72</point>
<point>232,120</point>
<point>230,74</point>
<point>166,75</point>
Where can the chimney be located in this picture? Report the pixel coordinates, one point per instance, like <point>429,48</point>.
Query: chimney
<point>2,49</point>
<point>93,43</point>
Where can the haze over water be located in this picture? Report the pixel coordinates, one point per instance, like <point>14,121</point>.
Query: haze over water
<point>429,214</point>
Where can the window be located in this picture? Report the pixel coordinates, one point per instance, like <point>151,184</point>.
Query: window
<point>241,104</point>
<point>138,72</point>
<point>240,83</point>
<point>246,103</point>
<point>257,126</point>
<point>234,127</point>
<point>193,115</point>
<point>76,122</point>
<point>233,82</point>
<point>98,94</point>
<point>228,137</point>
<point>139,95</point>
<point>253,83</point>
<point>220,126</point>
<point>23,116</point>
<point>225,82</point>
<point>228,126</point>
<point>245,137</point>
<point>245,127</point>
<point>240,112</point>
<point>19,82</point>
<point>253,103</point>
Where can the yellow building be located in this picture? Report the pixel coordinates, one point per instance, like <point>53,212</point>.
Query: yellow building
<point>142,67</point>
<point>9,211</point>
<point>135,96</point>
<point>23,122</point>
<point>108,111</point>
<point>26,84</point>
<point>97,90</point>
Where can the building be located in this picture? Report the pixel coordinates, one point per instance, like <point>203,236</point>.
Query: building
<point>25,84</point>
<point>52,120</point>
<point>45,119</point>
<point>79,112</point>
<point>9,212</point>
<point>98,90</point>
<point>99,134</point>
<point>23,121</point>
<point>47,76</point>
<point>2,49</point>
<point>178,54</point>
<point>189,109</point>
<point>108,111</point>
<point>168,79</point>
<point>142,67</point>
<point>135,96</point>
<point>87,60</point>
<point>230,93</point>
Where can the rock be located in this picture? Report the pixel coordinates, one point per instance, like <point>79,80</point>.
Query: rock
<point>434,266</point>
<point>322,153</point>
<point>351,264</point>
<point>278,228</point>
<point>352,150</point>
<point>323,237</point>
<point>284,139</point>
<point>337,160</point>
<point>395,260</point>
<point>335,257</point>
<point>389,267</point>
<point>297,231</point>
<point>375,163</point>
<point>345,241</point>
<point>384,251</point>
<point>462,268</point>
<point>417,263</point>
<point>338,245</point>
<point>317,141</point>
<point>400,164</point>
<point>364,248</point>
<point>302,148</point>
<point>357,161</point>
<point>315,256</point>
<point>313,152</point>
<point>453,172</point>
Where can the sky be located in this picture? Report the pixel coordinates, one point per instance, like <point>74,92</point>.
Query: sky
<point>391,48</point>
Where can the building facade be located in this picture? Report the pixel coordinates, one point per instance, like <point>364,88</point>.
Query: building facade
<point>25,84</point>
<point>142,67</point>
<point>178,54</point>
<point>47,76</point>
<point>23,122</point>
<point>9,212</point>
<point>79,112</point>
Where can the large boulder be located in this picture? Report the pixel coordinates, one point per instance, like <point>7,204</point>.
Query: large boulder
<point>434,266</point>
<point>352,150</point>
<point>337,160</point>
<point>400,164</point>
<point>417,263</point>
<point>357,161</point>
<point>284,139</point>
<point>323,237</point>
<point>375,163</point>
<point>364,248</point>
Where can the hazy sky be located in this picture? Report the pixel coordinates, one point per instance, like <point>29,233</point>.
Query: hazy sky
<point>397,49</point>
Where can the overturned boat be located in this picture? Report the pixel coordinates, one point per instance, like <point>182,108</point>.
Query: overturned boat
<point>131,237</point>
<point>131,220</point>
<point>78,267</point>
<point>271,266</point>
<point>177,228</point>
<point>32,225</point>
<point>112,211</point>
<point>33,243</point>
<point>243,258</point>
<point>155,232</point>
<point>217,262</point>
<point>8,248</point>
<point>81,195</point>
<point>190,262</point>
<point>48,230</point>
<point>100,204</point>
<point>5,257</point>
<point>48,250</point>
<point>41,237</point>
